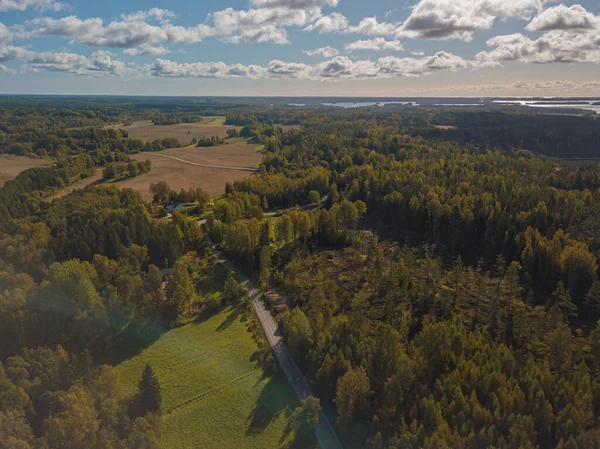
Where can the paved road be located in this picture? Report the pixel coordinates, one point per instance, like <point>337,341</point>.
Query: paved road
<point>222,167</point>
<point>326,436</point>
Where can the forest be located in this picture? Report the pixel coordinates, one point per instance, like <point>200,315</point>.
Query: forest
<point>438,271</point>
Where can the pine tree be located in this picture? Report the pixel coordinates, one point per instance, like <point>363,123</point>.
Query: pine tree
<point>149,396</point>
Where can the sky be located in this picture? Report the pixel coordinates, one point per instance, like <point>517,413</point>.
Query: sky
<point>389,48</point>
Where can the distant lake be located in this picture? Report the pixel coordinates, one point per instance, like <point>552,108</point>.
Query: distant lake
<point>361,104</point>
<point>586,106</point>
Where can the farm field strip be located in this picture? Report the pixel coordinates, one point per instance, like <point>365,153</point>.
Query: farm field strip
<point>184,132</point>
<point>220,167</point>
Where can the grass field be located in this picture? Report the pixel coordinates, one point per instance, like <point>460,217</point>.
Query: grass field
<point>11,166</point>
<point>214,395</point>
<point>181,175</point>
<point>184,132</point>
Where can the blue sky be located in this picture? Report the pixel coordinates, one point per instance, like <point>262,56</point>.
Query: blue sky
<point>301,47</point>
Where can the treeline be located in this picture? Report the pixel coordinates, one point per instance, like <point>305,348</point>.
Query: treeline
<point>23,195</point>
<point>54,399</point>
<point>129,170</point>
<point>562,136</point>
<point>204,141</point>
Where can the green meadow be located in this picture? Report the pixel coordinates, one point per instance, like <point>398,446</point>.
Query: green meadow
<point>214,394</point>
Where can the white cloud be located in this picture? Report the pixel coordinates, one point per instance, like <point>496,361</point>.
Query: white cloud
<point>295,4</point>
<point>562,18</point>
<point>22,5</point>
<point>337,68</point>
<point>157,14</point>
<point>326,52</point>
<point>377,44</point>
<point>99,63</point>
<point>459,19</point>
<point>119,34</point>
<point>5,34</point>
<point>553,46</point>
<point>152,51</point>
<point>166,68</point>
<point>333,23</point>
<point>371,27</point>
<point>10,53</point>
<point>268,33</point>
<point>260,25</point>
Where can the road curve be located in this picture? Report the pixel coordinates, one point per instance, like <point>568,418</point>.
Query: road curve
<point>222,167</point>
<point>326,436</point>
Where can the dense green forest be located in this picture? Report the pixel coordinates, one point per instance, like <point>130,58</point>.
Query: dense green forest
<point>439,287</point>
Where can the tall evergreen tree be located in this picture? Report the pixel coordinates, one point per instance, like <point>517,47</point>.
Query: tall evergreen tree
<point>149,395</point>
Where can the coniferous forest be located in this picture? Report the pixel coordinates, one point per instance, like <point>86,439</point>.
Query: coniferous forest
<point>436,269</point>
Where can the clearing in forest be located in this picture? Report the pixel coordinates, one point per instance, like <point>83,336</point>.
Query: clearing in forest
<point>184,132</point>
<point>214,394</point>
<point>179,174</point>
<point>11,166</point>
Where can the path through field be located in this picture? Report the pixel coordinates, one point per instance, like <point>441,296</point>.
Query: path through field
<point>325,433</point>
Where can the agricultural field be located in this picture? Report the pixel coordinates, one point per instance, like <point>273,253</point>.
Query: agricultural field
<point>184,132</point>
<point>11,166</point>
<point>182,173</point>
<point>214,395</point>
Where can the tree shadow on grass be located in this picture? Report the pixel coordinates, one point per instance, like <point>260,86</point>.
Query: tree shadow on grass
<point>134,339</point>
<point>231,318</point>
<point>274,399</point>
<point>298,438</point>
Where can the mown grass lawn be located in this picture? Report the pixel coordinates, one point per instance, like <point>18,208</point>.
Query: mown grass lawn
<point>214,395</point>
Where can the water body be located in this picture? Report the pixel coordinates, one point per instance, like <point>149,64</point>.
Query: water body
<point>553,104</point>
<point>362,104</point>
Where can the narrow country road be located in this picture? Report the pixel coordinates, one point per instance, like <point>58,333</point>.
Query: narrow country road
<point>222,167</point>
<point>325,433</point>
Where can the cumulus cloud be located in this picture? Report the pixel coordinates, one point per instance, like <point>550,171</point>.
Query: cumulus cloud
<point>167,68</point>
<point>119,34</point>
<point>377,44</point>
<point>459,19</point>
<point>5,34</point>
<point>337,68</point>
<point>371,27</point>
<point>152,51</point>
<point>326,52</point>
<point>563,18</point>
<point>22,5</point>
<point>333,23</point>
<point>553,46</point>
<point>157,14</point>
<point>295,4</point>
<point>99,63</point>
<point>10,53</point>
